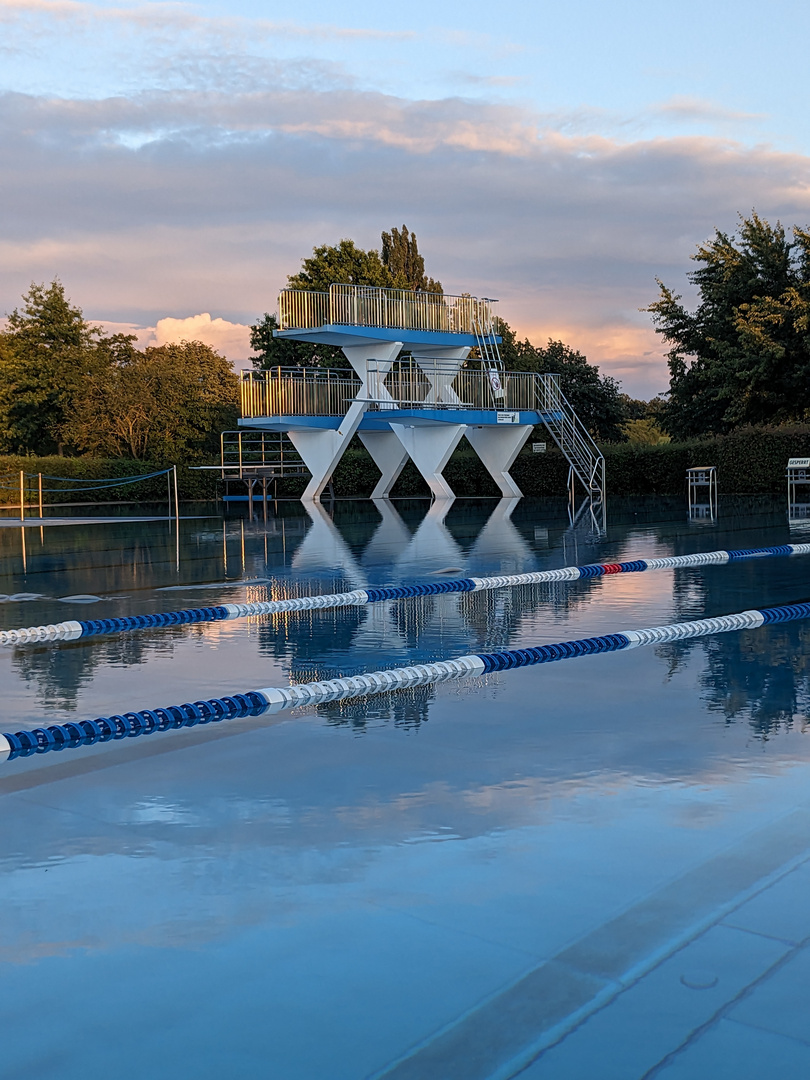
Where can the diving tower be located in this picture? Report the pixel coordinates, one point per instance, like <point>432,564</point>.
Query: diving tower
<point>410,390</point>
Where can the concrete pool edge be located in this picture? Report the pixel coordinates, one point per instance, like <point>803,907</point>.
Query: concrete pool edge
<point>504,1034</point>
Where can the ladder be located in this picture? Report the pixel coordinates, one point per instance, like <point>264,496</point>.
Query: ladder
<point>483,325</point>
<point>586,461</point>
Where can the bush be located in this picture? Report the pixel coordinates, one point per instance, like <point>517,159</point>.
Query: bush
<point>749,461</point>
<point>191,485</point>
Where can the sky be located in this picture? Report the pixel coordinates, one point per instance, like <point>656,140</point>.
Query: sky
<point>172,163</point>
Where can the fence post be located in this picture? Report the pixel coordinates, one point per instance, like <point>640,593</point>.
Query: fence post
<point>22,496</point>
<point>176,497</point>
<point>40,496</point>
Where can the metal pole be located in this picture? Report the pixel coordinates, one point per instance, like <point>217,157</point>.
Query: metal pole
<point>176,497</point>
<point>22,496</point>
<point>40,496</point>
<point>169,491</point>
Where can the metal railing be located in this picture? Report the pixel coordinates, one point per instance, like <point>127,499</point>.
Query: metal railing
<point>584,457</point>
<point>298,392</point>
<point>395,309</point>
<point>248,453</point>
<point>422,383</point>
<point>435,384</point>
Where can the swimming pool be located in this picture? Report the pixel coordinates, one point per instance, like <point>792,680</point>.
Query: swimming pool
<point>584,869</point>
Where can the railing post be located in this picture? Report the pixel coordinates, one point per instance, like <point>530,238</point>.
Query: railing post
<point>40,496</point>
<point>22,496</point>
<point>176,497</point>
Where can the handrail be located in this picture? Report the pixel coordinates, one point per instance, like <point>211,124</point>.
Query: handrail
<point>365,305</point>
<point>298,392</point>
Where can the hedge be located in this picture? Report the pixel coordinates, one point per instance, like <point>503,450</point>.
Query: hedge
<point>192,485</point>
<point>749,461</point>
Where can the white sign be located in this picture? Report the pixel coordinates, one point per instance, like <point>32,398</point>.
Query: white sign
<point>495,382</point>
<point>799,463</point>
<point>507,418</point>
<point>538,448</point>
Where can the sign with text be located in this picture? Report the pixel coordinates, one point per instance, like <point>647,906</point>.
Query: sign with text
<point>507,418</point>
<point>799,463</point>
<point>538,448</point>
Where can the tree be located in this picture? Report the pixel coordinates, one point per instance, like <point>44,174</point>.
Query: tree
<point>162,404</point>
<point>743,356</point>
<point>283,352</point>
<point>48,351</point>
<point>400,254</point>
<point>644,432</point>
<point>399,265</point>
<point>344,264</point>
<point>595,398</point>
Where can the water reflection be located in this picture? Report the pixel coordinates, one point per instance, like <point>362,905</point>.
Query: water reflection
<point>132,567</point>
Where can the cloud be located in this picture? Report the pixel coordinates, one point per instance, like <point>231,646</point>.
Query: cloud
<point>160,17</point>
<point>230,339</point>
<point>698,110</point>
<point>155,205</point>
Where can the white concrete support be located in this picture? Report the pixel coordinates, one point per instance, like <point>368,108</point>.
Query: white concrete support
<point>430,447</point>
<point>389,455</point>
<point>498,446</point>
<point>322,450</point>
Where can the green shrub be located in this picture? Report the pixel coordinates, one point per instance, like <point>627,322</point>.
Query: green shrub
<point>749,461</point>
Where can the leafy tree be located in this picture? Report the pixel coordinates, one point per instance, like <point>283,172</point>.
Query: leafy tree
<point>644,432</point>
<point>400,254</point>
<point>282,352</point>
<point>162,404</point>
<point>743,356</point>
<point>48,351</point>
<point>399,265</point>
<point>595,398</point>
<point>345,264</point>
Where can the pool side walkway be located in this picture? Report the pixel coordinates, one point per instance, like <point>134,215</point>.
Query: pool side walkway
<point>30,523</point>
<point>704,978</point>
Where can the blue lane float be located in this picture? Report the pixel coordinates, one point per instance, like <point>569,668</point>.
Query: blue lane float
<point>72,629</point>
<point>274,699</point>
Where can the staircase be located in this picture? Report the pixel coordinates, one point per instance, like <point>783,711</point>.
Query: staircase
<point>569,433</point>
<point>584,457</point>
<point>483,325</point>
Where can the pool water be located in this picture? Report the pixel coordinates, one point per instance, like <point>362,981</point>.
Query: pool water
<point>593,868</point>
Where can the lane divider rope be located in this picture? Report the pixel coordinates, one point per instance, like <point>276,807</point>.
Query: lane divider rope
<point>71,629</point>
<point>273,699</point>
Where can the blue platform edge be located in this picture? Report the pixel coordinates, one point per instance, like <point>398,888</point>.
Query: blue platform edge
<point>380,420</point>
<point>338,334</point>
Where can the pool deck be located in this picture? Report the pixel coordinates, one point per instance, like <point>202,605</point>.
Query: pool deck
<point>32,522</point>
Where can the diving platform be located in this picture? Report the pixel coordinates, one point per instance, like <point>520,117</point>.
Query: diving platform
<point>411,390</point>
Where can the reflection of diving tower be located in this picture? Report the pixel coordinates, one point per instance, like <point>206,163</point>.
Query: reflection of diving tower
<point>416,405</point>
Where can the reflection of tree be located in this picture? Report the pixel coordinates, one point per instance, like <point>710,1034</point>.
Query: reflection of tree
<point>408,709</point>
<point>60,671</point>
<point>761,675</point>
<point>307,636</point>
